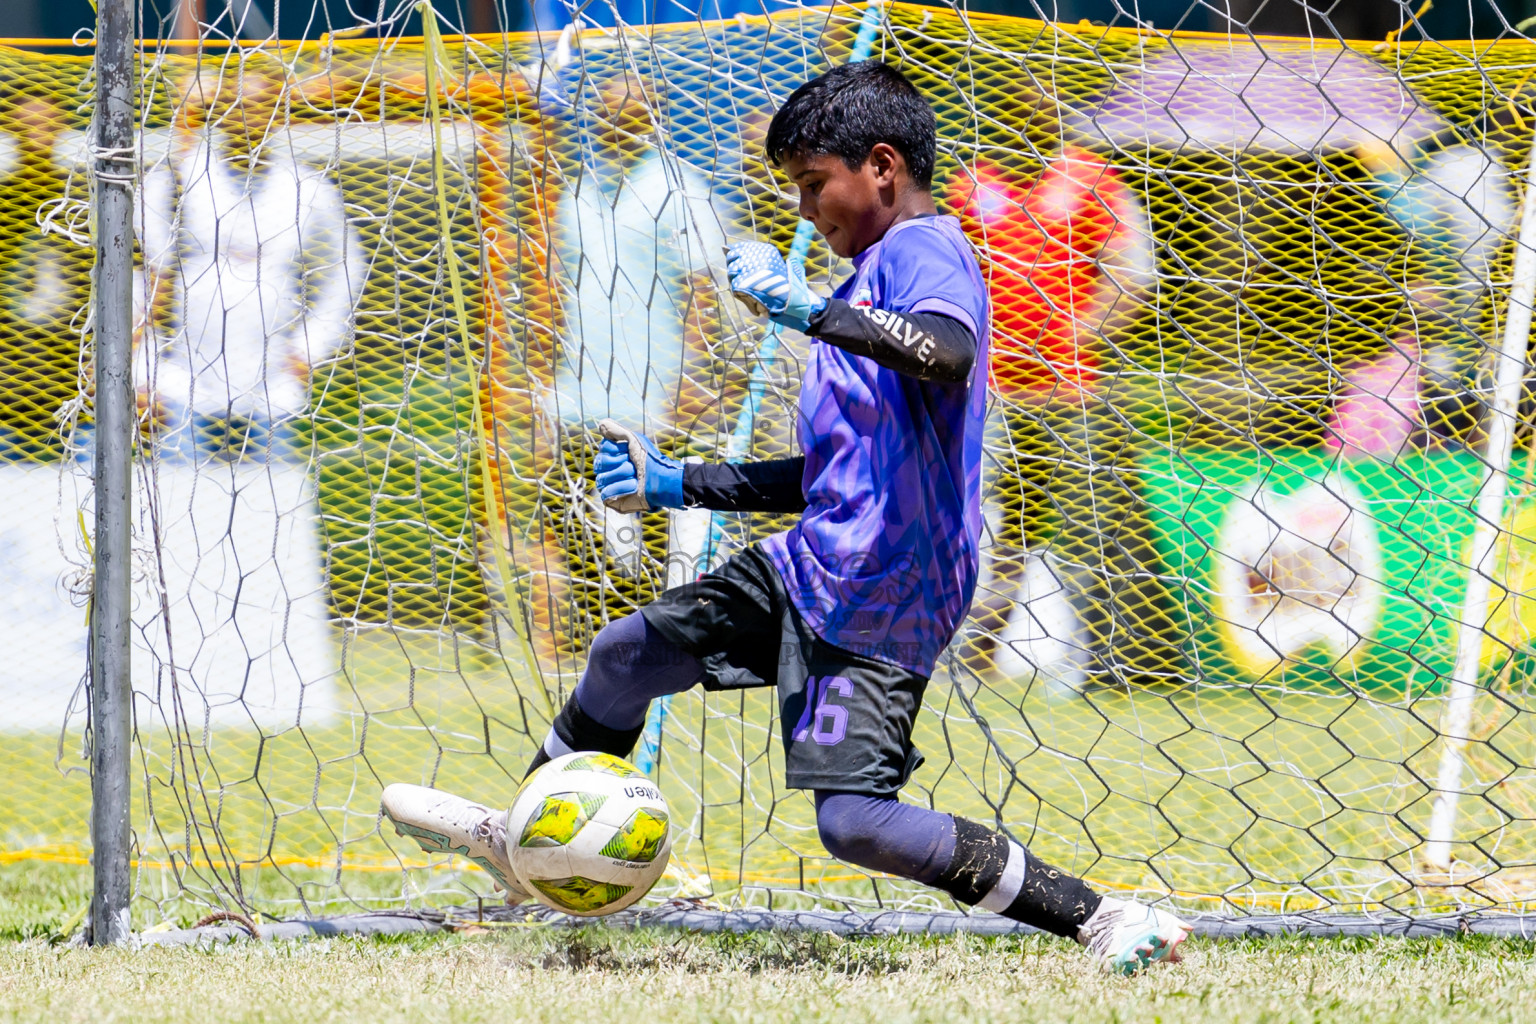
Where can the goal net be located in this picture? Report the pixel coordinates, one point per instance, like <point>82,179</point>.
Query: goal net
<point>1253,631</point>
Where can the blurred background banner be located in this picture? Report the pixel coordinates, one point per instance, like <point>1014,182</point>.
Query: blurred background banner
<point>1248,294</point>
<point>308,19</point>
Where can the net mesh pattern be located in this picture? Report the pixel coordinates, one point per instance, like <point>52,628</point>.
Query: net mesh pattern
<point>1248,298</point>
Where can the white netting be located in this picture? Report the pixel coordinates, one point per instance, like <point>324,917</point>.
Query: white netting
<point>1249,296</point>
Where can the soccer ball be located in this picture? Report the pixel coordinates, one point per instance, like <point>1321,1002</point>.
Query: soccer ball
<point>588,834</point>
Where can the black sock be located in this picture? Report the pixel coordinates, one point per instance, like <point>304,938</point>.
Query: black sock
<point>540,759</point>
<point>1047,898</point>
<point>577,730</point>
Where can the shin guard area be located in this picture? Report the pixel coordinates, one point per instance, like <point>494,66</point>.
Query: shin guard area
<point>978,863</point>
<point>993,872</point>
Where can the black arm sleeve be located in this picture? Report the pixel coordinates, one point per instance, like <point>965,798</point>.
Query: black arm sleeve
<point>772,485</point>
<point>928,346</point>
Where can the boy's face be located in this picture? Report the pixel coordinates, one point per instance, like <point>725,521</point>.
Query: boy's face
<point>849,206</point>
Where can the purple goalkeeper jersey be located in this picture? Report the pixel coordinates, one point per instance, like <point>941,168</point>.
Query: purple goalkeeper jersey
<point>883,562</point>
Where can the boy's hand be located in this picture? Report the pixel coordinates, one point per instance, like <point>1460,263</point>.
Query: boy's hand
<point>632,474</point>
<point>770,286</point>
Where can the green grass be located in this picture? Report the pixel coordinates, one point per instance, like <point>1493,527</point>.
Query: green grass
<point>597,974</point>
<point>40,900</point>
<point>549,974</point>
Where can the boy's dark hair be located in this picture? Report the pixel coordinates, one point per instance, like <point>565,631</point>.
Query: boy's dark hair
<point>851,109</point>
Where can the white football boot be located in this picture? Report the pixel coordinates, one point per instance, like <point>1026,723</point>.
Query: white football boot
<point>443,823</point>
<point>1130,936</point>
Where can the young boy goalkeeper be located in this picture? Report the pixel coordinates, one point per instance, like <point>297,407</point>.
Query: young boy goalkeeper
<point>847,612</point>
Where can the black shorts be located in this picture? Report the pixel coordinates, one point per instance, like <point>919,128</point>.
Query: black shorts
<point>846,719</point>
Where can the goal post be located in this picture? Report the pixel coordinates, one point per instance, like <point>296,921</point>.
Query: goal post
<point>111,687</point>
<point>1512,362</point>
<point>1251,634</point>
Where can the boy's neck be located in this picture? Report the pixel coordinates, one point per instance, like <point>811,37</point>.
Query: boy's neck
<point>914,202</point>
<point>909,203</point>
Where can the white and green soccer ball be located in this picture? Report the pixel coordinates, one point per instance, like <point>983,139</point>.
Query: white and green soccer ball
<point>588,834</point>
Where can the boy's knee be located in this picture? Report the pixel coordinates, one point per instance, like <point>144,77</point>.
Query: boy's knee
<point>884,834</point>
<point>613,651</point>
<point>629,648</point>
<point>847,832</point>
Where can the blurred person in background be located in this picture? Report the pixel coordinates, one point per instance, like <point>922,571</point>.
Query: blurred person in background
<point>638,241</point>
<point>1455,208</point>
<point>252,252</point>
<point>641,263</point>
<point>1068,253</point>
<point>251,272</point>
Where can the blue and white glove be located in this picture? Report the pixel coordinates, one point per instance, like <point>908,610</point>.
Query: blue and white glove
<point>632,474</point>
<point>771,286</point>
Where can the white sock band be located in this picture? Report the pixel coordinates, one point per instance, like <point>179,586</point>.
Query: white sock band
<point>1007,889</point>
<point>555,747</point>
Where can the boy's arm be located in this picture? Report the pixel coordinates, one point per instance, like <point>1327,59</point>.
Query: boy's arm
<point>924,345</point>
<point>928,346</point>
<point>771,485</point>
<point>633,475</point>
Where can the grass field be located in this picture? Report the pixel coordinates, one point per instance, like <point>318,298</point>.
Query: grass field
<point>548,974</point>
<point>596,974</point>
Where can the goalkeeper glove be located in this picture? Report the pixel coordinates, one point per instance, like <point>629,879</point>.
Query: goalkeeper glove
<point>632,474</point>
<point>771,286</point>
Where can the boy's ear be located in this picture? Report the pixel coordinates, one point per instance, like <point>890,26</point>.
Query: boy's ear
<point>886,164</point>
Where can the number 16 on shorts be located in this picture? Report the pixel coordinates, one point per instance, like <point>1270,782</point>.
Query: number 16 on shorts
<point>823,722</point>
<point>849,725</point>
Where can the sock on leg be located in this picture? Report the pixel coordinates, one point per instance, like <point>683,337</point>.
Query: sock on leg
<point>972,863</point>
<point>993,872</point>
